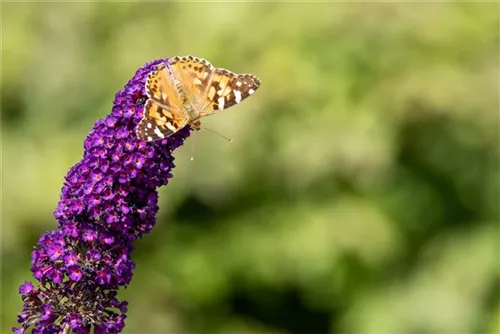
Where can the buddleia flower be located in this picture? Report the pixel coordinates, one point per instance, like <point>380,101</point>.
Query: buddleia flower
<point>108,200</point>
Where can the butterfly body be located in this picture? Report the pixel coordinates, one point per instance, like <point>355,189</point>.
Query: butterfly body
<point>185,89</point>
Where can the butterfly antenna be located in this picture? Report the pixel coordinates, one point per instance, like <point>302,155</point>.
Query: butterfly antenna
<point>217,133</point>
<point>192,148</point>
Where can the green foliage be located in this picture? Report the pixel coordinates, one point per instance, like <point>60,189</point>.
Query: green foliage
<point>360,194</point>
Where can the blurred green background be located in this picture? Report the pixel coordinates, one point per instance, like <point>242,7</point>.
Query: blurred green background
<point>360,194</point>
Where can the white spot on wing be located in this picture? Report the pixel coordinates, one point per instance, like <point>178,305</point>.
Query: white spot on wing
<point>221,103</point>
<point>238,84</point>
<point>170,126</point>
<point>149,138</point>
<point>149,125</point>
<point>159,133</point>
<point>251,91</point>
<point>237,96</point>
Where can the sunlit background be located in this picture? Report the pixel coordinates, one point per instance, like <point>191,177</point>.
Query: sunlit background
<point>360,194</point>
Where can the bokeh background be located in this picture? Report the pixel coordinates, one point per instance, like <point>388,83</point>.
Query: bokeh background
<point>360,194</point>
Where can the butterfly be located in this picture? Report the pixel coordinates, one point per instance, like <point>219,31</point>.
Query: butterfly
<point>186,88</point>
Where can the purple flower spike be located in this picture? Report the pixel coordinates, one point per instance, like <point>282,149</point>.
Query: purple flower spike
<point>109,199</point>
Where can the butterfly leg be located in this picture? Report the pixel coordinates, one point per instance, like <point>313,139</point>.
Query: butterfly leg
<point>195,125</point>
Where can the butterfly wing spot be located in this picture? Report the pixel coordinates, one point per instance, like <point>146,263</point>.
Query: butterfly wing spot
<point>221,102</point>
<point>159,133</point>
<point>170,126</point>
<point>237,96</point>
<point>143,130</point>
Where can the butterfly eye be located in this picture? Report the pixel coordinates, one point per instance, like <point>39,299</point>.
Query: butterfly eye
<point>138,98</point>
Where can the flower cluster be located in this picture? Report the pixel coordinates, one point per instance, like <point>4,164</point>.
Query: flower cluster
<point>109,199</point>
